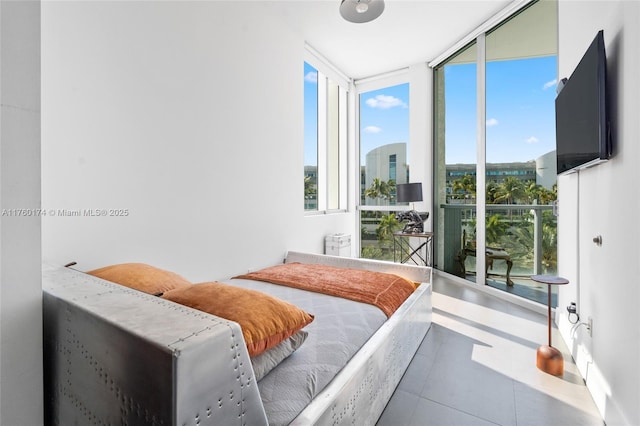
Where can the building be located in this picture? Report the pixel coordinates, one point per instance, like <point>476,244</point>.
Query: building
<point>496,172</point>
<point>387,163</point>
<point>546,170</point>
<point>542,171</point>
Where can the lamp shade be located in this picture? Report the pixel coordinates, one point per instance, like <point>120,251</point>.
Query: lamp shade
<point>409,192</point>
<point>360,11</point>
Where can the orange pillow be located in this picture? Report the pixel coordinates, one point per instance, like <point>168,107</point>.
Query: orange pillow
<point>142,277</point>
<point>264,319</point>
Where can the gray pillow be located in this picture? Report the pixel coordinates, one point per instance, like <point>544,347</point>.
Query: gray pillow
<point>268,360</point>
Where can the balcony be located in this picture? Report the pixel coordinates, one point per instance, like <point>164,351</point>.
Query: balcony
<point>528,233</point>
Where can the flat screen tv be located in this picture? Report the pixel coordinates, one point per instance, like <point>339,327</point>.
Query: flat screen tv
<point>582,125</point>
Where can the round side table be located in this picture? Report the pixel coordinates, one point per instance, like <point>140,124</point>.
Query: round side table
<point>548,358</point>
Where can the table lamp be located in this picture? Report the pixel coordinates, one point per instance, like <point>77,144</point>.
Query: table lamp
<point>410,193</point>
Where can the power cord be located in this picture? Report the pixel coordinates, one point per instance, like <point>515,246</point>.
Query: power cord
<point>573,311</point>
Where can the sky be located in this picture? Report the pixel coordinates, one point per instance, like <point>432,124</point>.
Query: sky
<point>520,116</point>
<point>520,110</point>
<point>310,115</point>
<point>384,118</point>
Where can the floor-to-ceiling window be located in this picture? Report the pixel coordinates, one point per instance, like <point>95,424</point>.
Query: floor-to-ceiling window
<point>496,164</point>
<point>455,155</point>
<point>384,163</point>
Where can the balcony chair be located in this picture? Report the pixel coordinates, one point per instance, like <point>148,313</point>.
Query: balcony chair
<point>491,254</point>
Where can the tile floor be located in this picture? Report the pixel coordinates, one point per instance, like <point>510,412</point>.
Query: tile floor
<point>476,366</point>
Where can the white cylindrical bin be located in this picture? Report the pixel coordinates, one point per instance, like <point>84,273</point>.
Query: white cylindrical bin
<point>338,245</point>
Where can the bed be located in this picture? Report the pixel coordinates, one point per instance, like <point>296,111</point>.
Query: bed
<point>117,355</point>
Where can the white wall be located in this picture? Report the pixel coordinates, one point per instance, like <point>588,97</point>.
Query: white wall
<point>20,282</point>
<point>189,115</point>
<point>604,201</point>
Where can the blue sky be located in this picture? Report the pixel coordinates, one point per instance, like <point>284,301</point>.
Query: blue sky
<point>520,112</point>
<point>384,118</point>
<point>310,115</point>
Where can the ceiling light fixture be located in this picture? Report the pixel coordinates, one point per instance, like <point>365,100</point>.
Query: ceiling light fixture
<point>360,11</point>
<point>362,7</point>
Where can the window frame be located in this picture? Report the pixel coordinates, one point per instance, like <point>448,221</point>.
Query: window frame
<point>332,136</point>
<point>363,86</point>
<point>479,38</point>
<point>394,78</point>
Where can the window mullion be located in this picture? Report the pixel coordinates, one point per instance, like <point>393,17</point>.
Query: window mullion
<point>322,142</point>
<point>342,146</point>
<point>333,146</point>
<point>481,162</point>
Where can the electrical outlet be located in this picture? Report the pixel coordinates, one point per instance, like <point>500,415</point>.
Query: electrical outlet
<point>590,326</point>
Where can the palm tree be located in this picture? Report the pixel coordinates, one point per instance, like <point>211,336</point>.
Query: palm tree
<point>510,191</point>
<point>492,189</point>
<point>548,196</point>
<point>310,192</point>
<point>539,193</point>
<point>495,229</point>
<point>384,232</point>
<point>465,186</point>
<point>522,242</point>
<point>533,192</point>
<point>388,225</point>
<point>391,184</point>
<point>549,242</point>
<point>381,189</point>
<point>309,186</point>
<point>378,189</point>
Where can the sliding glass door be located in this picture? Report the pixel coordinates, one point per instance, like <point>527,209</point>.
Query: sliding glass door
<point>456,158</point>
<point>496,208</point>
<point>521,70</point>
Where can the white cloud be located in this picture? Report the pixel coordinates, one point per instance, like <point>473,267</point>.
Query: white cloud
<point>372,129</point>
<point>550,84</point>
<point>311,77</point>
<point>533,139</point>
<point>492,122</point>
<point>385,102</point>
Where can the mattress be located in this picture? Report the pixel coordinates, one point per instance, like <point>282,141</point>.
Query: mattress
<point>340,328</point>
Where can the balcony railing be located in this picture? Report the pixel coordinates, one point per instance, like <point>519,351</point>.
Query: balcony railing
<point>459,216</point>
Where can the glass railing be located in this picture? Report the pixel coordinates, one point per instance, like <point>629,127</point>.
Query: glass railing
<point>521,241</point>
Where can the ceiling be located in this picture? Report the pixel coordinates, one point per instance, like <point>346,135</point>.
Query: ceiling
<point>408,32</point>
